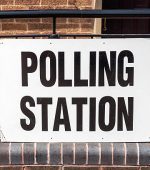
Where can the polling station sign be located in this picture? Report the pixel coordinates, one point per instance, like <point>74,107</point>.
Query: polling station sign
<point>75,90</point>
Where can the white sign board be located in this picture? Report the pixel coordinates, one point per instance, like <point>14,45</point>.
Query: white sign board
<point>75,90</point>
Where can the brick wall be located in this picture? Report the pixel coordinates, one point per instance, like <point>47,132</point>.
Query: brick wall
<point>73,168</point>
<point>75,156</point>
<point>44,25</point>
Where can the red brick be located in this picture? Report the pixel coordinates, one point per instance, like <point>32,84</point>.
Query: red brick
<point>87,21</point>
<point>15,7</point>
<point>61,28</point>
<point>47,20</point>
<point>42,168</point>
<point>0,26</point>
<point>44,25</point>
<point>62,20</point>
<point>84,2</point>
<point>65,7</point>
<point>54,2</point>
<point>14,26</point>
<point>80,3</point>
<point>39,26</point>
<point>120,168</point>
<point>81,20</point>
<point>27,20</point>
<point>7,20</point>
<point>59,20</point>
<point>27,2</point>
<point>87,28</point>
<point>68,28</point>
<point>73,28</point>
<point>6,2</point>
<point>86,7</point>
<point>81,168</point>
<point>37,32</point>
<point>30,32</point>
<point>145,168</point>
<point>11,32</point>
<point>74,20</point>
<point>71,2</point>
<point>35,7</point>
<point>11,168</point>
